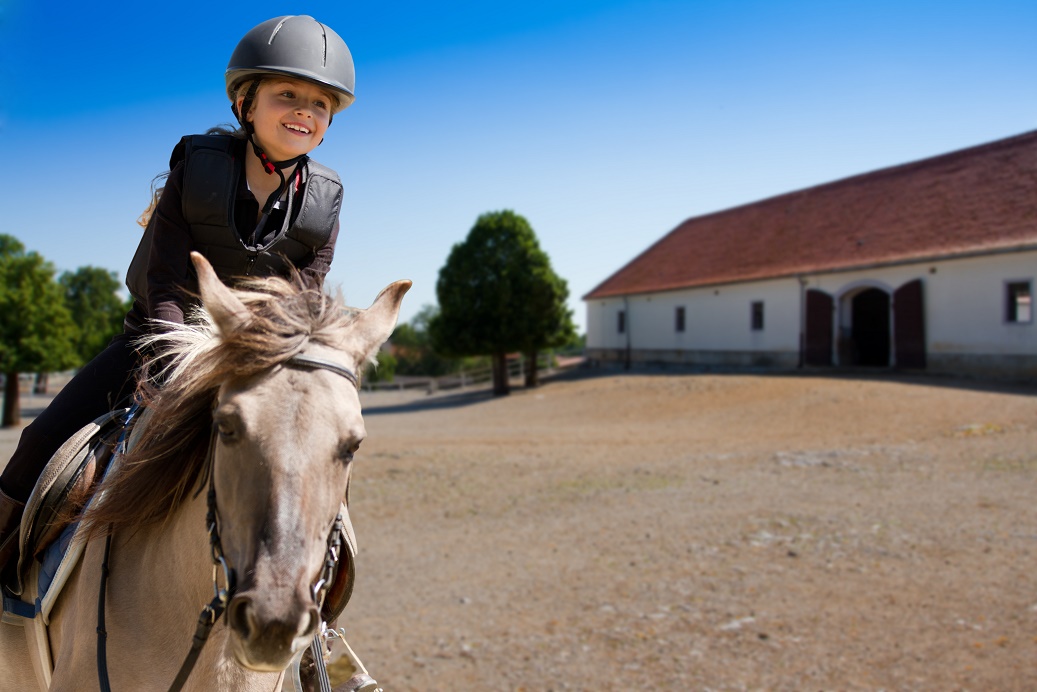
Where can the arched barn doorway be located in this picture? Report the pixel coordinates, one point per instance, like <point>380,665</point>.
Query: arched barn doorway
<point>875,328</point>
<point>869,327</point>
<point>864,327</point>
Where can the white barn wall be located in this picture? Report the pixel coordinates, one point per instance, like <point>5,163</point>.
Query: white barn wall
<point>965,324</point>
<point>717,325</point>
<point>601,324</point>
<point>969,307</point>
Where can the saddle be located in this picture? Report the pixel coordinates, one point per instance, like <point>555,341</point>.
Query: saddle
<point>72,471</point>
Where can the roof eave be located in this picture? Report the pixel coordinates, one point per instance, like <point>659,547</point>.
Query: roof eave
<point>597,294</point>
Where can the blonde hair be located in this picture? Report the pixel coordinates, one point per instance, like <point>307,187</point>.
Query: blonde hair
<point>156,192</point>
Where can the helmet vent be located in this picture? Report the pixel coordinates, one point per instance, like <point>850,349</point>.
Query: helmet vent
<point>273,34</point>
<point>324,35</point>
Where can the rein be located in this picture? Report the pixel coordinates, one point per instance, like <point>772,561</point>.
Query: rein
<point>213,611</point>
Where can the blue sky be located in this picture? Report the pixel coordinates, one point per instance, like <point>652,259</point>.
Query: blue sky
<point>604,123</point>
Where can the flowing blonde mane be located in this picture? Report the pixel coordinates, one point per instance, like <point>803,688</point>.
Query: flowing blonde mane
<point>168,460</point>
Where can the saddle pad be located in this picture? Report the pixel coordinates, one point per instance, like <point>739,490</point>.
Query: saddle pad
<point>62,472</point>
<point>57,562</point>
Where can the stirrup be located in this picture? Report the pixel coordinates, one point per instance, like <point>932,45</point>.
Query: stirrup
<point>345,671</point>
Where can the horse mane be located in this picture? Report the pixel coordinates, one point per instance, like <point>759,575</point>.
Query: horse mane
<point>168,460</point>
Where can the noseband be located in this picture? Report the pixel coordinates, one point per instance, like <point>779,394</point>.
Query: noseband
<point>212,612</point>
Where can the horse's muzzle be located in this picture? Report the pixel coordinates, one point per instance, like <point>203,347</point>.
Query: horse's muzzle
<point>265,638</point>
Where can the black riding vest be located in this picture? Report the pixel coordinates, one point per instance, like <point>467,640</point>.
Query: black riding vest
<point>211,179</point>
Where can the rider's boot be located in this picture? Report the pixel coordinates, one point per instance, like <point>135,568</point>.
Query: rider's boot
<point>10,523</point>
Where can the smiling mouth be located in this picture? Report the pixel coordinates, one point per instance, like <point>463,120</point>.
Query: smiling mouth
<point>296,128</point>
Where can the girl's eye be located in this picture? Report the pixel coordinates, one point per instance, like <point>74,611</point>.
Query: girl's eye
<point>321,105</point>
<point>288,94</point>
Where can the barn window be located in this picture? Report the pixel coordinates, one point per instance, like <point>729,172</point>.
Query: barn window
<point>1018,302</point>
<point>621,321</point>
<point>679,319</point>
<point>757,315</point>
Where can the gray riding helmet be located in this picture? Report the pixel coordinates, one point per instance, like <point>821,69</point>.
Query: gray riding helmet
<point>297,46</point>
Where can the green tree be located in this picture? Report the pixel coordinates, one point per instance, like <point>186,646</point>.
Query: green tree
<point>547,319</point>
<point>36,329</point>
<point>92,295</point>
<point>384,370</point>
<point>413,348</point>
<point>498,294</point>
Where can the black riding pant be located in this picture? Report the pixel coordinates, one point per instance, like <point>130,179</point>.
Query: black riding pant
<point>97,388</point>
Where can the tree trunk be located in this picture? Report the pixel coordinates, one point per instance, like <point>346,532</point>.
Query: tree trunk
<point>12,407</point>
<point>501,386</point>
<point>532,375</point>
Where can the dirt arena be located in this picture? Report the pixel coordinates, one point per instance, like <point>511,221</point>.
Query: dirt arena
<point>699,532</point>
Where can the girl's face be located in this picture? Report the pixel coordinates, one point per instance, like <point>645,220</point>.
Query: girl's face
<point>290,116</point>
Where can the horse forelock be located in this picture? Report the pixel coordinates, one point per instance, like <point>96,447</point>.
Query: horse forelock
<point>168,460</point>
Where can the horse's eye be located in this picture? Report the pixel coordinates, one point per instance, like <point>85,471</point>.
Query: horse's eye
<point>346,452</point>
<point>225,430</point>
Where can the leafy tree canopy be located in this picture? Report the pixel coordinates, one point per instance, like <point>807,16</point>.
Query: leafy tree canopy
<point>414,351</point>
<point>384,371</point>
<point>498,293</point>
<point>36,328</point>
<point>92,295</point>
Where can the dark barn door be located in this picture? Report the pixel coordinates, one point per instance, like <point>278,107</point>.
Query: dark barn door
<point>909,325</point>
<point>819,328</point>
<point>870,328</point>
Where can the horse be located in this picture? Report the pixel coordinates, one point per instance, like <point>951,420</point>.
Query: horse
<point>259,403</point>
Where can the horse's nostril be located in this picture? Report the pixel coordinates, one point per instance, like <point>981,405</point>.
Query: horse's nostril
<point>239,616</point>
<point>310,622</point>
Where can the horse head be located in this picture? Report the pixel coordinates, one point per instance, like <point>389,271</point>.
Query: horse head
<point>281,453</point>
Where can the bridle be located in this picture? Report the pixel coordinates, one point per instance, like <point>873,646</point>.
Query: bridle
<point>212,612</point>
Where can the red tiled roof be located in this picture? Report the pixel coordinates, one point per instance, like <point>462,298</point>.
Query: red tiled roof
<point>974,200</point>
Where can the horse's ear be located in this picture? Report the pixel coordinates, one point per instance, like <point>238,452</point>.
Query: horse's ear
<point>227,311</point>
<point>373,326</point>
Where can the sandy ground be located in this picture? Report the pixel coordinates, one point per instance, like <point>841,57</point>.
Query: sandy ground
<point>698,532</point>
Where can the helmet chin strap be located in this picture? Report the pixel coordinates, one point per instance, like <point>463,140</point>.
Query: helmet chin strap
<point>269,166</point>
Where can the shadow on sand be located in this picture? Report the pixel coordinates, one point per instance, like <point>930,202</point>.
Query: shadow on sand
<point>477,395</point>
<point>474,397</point>
<point>431,403</point>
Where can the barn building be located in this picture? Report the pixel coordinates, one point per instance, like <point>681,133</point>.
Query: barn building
<point>928,265</point>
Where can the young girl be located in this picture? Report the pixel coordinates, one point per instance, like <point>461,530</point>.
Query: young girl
<point>252,202</point>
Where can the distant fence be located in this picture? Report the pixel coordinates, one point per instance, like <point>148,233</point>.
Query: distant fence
<point>546,363</point>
